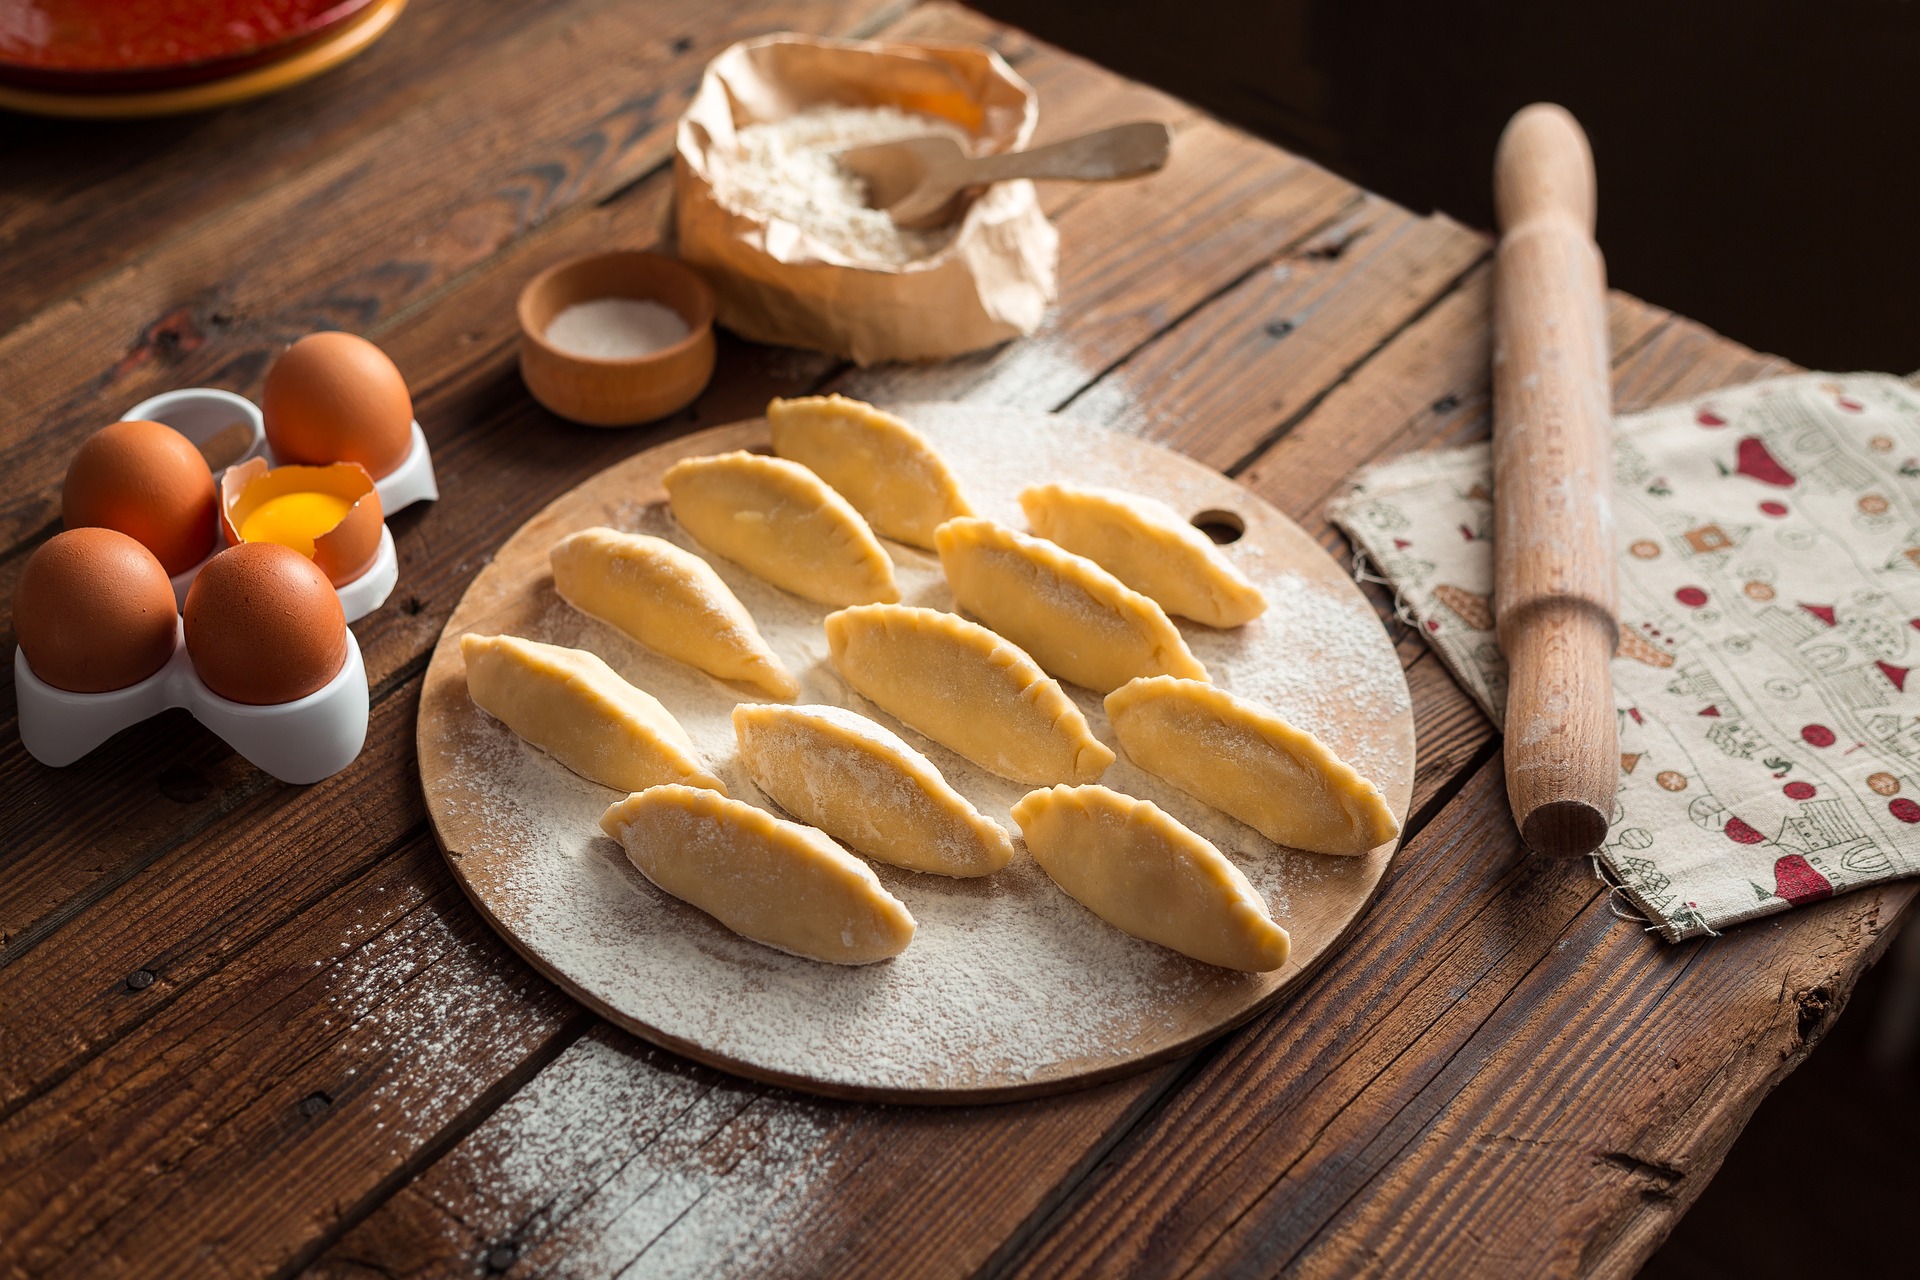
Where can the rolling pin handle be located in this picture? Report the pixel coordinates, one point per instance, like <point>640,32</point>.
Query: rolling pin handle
<point>1543,168</point>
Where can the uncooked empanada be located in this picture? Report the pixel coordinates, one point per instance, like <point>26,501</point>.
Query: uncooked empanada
<point>1077,620</point>
<point>885,468</point>
<point>578,710</point>
<point>1144,543</point>
<point>1246,761</point>
<point>967,689</point>
<point>1141,871</point>
<point>775,882</point>
<point>667,599</point>
<point>781,521</point>
<point>858,782</point>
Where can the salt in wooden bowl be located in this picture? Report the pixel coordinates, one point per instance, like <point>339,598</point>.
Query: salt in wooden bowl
<point>620,391</point>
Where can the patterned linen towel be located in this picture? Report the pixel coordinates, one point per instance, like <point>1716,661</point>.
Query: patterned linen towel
<point>1769,559</point>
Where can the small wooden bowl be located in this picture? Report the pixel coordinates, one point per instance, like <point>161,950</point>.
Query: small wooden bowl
<point>617,393</point>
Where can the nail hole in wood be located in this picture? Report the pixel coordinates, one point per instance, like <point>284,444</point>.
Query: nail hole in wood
<point>1222,526</point>
<point>314,1104</point>
<point>139,979</point>
<point>502,1256</point>
<point>1279,328</point>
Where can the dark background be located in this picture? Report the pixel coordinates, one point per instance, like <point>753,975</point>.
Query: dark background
<point>1759,169</point>
<point>1759,161</point>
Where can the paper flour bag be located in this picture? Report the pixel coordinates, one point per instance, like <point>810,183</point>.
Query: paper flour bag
<point>792,265</point>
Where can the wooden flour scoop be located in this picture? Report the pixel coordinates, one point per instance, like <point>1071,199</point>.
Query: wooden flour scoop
<point>1555,597</point>
<point>917,180</point>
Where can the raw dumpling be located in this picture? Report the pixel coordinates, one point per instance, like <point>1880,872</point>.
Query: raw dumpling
<point>1139,870</point>
<point>667,599</point>
<point>862,785</point>
<point>578,710</point>
<point>775,882</point>
<point>885,468</point>
<point>1248,762</point>
<point>781,521</point>
<point>967,689</point>
<point>1144,543</point>
<point>1077,620</point>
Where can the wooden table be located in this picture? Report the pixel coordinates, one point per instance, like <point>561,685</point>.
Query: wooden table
<point>247,1028</point>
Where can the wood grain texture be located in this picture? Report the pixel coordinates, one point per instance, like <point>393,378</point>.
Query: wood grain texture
<point>495,458</point>
<point>1303,320</point>
<point>393,215</point>
<point>500,457</point>
<point>727,1177</point>
<point>1555,600</point>
<point>1451,731</point>
<point>87,198</point>
<point>1325,1141</point>
<point>165,848</point>
<point>273,1083</point>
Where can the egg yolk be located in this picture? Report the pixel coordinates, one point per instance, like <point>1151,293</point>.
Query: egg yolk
<point>294,520</point>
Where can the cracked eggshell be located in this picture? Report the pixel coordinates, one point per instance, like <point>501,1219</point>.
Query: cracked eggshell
<point>344,552</point>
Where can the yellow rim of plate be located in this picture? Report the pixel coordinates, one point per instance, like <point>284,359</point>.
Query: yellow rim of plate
<point>325,55</point>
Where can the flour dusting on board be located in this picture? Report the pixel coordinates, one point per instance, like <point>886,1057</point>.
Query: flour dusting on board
<point>1007,978</point>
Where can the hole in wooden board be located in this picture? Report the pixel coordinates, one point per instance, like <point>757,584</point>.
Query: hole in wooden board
<point>1222,526</point>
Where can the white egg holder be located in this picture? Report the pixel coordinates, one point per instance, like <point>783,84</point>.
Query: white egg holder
<point>301,741</point>
<point>200,413</point>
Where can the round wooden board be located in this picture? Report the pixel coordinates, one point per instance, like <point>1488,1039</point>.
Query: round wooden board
<point>1010,988</point>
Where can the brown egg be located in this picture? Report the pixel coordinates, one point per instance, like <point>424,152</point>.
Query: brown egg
<point>94,612</point>
<point>149,482</point>
<point>264,625</point>
<point>335,397</point>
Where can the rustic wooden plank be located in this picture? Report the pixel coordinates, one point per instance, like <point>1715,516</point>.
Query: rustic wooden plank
<point>78,199</point>
<point>65,835</point>
<point>500,458</point>
<point>716,1176</point>
<point>1116,297</point>
<point>1295,326</point>
<point>871,1181</point>
<point>179,913</point>
<point>1428,388</point>
<point>498,468</point>
<point>1474,1078</point>
<point>399,1226</point>
<point>386,220</point>
<point>1423,735</point>
<point>272,1084</point>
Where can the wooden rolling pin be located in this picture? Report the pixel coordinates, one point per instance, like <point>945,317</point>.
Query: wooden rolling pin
<point>1555,598</point>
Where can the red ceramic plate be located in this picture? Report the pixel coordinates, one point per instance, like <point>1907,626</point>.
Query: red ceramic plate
<point>121,45</point>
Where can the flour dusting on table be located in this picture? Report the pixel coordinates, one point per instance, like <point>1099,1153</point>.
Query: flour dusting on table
<point>1007,978</point>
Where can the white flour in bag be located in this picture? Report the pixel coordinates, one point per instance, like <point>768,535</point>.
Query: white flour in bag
<point>786,169</point>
